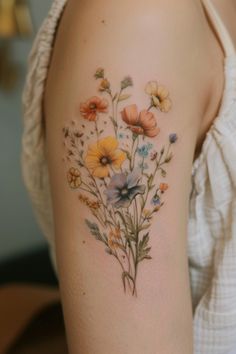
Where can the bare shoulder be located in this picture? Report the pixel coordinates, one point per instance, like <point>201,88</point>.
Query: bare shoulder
<point>167,37</point>
<point>149,41</point>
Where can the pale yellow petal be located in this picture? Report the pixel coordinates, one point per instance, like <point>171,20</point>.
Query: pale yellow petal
<point>101,171</point>
<point>162,92</point>
<point>156,101</point>
<point>94,151</point>
<point>165,105</point>
<point>96,154</point>
<point>151,87</point>
<point>92,162</point>
<point>93,157</point>
<point>107,145</point>
<point>118,158</point>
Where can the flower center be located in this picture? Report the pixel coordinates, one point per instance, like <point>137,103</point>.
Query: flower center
<point>105,160</point>
<point>159,98</point>
<point>124,191</point>
<point>156,199</point>
<point>92,106</point>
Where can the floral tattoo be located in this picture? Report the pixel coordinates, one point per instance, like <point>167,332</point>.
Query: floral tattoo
<point>119,176</point>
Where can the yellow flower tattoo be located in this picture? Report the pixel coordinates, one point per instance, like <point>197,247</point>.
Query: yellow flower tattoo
<point>103,155</point>
<point>159,96</point>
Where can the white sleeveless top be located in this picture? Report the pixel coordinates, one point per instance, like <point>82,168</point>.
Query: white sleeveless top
<point>212,203</point>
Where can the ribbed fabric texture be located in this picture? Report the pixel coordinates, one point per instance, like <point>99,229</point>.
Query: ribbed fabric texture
<point>212,203</point>
<point>33,161</point>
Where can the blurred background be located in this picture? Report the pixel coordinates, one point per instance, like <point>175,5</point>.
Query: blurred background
<point>18,229</point>
<point>31,319</point>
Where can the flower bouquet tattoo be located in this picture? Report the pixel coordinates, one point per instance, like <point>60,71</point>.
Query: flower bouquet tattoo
<point>116,175</point>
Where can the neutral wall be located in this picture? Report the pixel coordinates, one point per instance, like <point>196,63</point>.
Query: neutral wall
<point>18,228</point>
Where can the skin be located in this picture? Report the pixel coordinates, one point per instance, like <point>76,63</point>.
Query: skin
<point>175,45</point>
<point>227,9</point>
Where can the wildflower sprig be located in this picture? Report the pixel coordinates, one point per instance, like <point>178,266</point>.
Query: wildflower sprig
<point>120,177</point>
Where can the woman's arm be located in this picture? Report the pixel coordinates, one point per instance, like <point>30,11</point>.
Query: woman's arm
<point>122,115</point>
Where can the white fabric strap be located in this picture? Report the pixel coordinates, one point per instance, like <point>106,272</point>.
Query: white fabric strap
<point>220,28</point>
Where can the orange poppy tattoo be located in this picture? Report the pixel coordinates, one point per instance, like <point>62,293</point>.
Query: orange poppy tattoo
<point>92,107</point>
<point>120,176</point>
<point>143,123</point>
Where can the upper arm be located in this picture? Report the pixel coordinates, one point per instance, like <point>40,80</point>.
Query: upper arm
<point>120,178</point>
